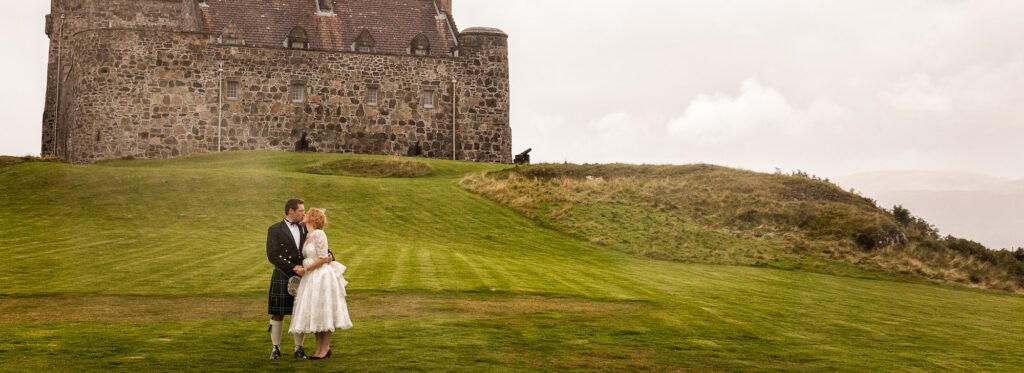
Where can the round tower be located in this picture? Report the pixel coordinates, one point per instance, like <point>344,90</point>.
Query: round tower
<point>486,95</point>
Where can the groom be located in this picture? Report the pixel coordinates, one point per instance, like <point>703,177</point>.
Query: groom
<point>284,250</point>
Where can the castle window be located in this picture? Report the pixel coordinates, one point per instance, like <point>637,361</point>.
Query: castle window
<point>298,92</point>
<point>231,35</point>
<point>232,91</point>
<point>364,42</point>
<point>325,7</point>
<point>297,39</point>
<point>427,98</point>
<point>420,45</point>
<point>371,95</point>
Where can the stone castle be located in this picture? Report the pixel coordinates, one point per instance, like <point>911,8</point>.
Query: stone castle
<point>166,78</point>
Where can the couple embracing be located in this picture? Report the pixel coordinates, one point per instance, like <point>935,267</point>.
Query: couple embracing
<point>297,247</point>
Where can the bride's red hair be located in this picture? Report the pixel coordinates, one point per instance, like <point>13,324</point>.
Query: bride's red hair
<point>316,218</point>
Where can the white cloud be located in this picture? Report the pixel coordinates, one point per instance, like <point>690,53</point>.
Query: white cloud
<point>918,93</point>
<point>974,91</point>
<point>756,111</point>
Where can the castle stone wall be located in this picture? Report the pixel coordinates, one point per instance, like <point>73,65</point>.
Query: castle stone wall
<point>157,94</point>
<point>68,18</point>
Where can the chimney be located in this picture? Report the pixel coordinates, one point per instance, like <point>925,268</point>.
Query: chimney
<point>445,5</point>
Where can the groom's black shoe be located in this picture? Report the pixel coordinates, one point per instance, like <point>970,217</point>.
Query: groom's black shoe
<point>300,354</point>
<point>276,354</point>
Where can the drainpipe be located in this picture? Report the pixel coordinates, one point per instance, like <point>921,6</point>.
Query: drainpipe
<point>56,110</point>
<point>455,83</point>
<point>220,101</point>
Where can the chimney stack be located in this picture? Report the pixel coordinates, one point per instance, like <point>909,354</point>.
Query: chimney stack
<point>445,5</point>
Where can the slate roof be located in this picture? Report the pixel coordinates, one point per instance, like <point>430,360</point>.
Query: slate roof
<point>393,24</point>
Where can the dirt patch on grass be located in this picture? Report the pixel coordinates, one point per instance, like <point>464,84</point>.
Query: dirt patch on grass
<point>391,167</point>
<point>115,308</point>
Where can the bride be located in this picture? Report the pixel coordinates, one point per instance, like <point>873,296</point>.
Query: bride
<point>320,300</point>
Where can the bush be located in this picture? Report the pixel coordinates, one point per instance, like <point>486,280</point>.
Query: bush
<point>968,247</point>
<point>931,244</point>
<point>879,236</point>
<point>902,215</point>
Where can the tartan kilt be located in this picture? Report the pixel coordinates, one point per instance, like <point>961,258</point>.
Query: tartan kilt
<point>279,302</point>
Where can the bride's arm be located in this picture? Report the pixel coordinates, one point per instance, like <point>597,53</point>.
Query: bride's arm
<point>319,239</point>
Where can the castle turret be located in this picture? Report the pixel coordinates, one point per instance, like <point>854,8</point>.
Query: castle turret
<point>66,19</point>
<point>486,104</point>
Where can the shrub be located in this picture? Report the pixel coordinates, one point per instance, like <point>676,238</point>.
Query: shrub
<point>878,236</point>
<point>968,247</point>
<point>931,244</point>
<point>975,277</point>
<point>902,215</point>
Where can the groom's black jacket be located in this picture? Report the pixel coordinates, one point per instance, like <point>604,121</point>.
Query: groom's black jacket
<point>281,250</point>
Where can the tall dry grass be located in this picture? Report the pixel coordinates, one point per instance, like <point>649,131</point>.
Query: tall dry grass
<point>710,214</point>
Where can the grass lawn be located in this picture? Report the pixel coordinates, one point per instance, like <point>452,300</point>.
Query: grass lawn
<point>160,265</point>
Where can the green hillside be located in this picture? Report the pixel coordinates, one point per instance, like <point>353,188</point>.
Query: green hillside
<point>160,265</point>
<point>718,215</point>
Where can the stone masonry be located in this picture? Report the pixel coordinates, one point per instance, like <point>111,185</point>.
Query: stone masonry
<point>147,79</point>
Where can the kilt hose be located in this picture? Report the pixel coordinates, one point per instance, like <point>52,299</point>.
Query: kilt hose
<point>279,301</point>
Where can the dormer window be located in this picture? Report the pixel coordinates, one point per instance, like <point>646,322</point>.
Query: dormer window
<point>231,35</point>
<point>325,7</point>
<point>420,45</point>
<point>364,43</point>
<point>297,39</point>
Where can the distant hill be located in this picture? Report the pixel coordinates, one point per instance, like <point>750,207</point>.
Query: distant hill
<point>985,208</point>
<point>711,214</point>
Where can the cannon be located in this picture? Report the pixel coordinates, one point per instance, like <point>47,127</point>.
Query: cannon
<point>523,158</point>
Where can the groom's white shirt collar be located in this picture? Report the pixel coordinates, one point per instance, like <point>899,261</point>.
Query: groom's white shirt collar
<point>296,233</point>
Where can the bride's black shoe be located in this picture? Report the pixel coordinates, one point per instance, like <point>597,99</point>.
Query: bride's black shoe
<point>326,356</point>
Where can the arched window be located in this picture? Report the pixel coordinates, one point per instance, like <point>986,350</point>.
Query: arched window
<point>420,45</point>
<point>297,39</point>
<point>364,42</point>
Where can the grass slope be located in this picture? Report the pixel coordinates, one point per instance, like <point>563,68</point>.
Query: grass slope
<point>719,215</point>
<point>160,265</point>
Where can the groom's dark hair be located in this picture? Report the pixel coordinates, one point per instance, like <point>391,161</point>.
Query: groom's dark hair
<point>292,204</point>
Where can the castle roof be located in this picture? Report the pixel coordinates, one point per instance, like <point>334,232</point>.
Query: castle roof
<point>392,24</point>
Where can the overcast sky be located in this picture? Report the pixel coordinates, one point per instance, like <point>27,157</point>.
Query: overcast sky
<point>830,87</point>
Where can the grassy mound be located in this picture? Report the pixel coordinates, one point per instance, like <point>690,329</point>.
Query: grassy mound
<point>711,214</point>
<point>390,167</point>
<point>10,161</point>
<point>160,266</point>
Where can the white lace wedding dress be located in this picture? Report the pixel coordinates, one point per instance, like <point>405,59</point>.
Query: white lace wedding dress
<point>320,301</point>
